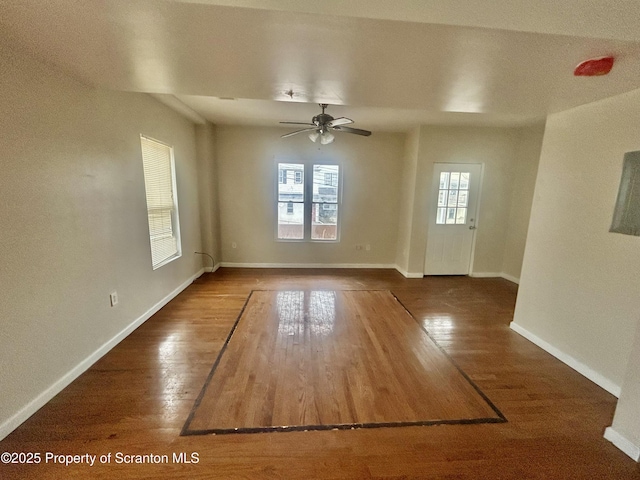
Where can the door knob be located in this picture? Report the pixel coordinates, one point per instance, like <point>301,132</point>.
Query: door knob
<point>472,227</point>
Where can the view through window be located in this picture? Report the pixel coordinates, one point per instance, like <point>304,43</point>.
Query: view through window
<point>453,198</point>
<point>308,202</point>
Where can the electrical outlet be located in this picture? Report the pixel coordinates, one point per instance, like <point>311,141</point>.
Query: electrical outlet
<point>113,297</point>
<point>368,247</point>
<point>234,244</point>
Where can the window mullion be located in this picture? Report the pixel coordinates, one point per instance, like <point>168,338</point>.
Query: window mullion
<point>308,202</point>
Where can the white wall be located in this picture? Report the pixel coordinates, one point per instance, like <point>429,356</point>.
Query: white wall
<point>247,160</point>
<point>74,225</point>
<point>579,285</point>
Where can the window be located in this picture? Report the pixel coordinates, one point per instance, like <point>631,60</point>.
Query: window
<point>290,202</point>
<point>162,208</point>
<point>453,198</point>
<point>308,207</point>
<point>324,223</point>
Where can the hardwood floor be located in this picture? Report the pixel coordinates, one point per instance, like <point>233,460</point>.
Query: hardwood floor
<point>326,359</point>
<point>136,399</point>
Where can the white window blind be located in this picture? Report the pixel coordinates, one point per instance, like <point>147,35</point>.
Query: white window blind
<point>159,181</point>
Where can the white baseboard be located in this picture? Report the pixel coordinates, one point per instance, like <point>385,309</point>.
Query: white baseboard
<point>412,274</point>
<point>34,405</point>
<point>578,366</point>
<point>485,274</point>
<point>506,276</point>
<point>404,273</point>
<point>321,265</point>
<point>306,265</point>
<point>409,274</point>
<point>211,270</point>
<point>511,278</point>
<point>623,443</point>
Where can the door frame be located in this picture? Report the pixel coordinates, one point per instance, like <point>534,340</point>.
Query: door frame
<point>431,213</point>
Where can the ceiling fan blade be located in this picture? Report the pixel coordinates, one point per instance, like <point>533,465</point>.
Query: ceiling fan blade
<point>339,121</point>
<point>357,131</point>
<point>297,132</point>
<point>297,123</point>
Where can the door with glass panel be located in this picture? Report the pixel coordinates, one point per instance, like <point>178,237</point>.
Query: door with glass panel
<point>452,215</point>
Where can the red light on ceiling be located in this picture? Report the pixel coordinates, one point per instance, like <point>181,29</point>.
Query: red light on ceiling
<point>594,67</point>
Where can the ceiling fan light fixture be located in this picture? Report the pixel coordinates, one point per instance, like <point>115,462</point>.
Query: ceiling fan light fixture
<point>326,138</point>
<point>313,136</point>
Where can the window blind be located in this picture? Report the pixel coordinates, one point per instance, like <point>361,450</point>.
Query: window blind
<point>161,205</point>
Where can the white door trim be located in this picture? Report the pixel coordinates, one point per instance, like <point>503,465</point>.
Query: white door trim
<point>452,240</point>
<point>478,204</point>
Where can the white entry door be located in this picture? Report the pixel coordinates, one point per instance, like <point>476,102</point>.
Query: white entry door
<point>452,218</point>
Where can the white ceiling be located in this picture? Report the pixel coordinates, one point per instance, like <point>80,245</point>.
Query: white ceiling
<point>388,65</point>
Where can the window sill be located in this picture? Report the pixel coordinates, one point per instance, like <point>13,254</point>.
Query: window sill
<point>168,260</point>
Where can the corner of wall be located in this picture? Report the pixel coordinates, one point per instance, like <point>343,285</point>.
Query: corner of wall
<point>407,274</point>
<point>208,190</point>
<point>524,181</point>
<point>623,443</point>
<point>624,432</point>
<point>405,217</point>
<point>567,359</point>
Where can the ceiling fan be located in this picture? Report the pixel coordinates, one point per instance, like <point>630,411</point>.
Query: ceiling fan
<point>321,126</point>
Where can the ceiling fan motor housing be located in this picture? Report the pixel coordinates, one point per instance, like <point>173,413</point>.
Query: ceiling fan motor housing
<point>322,119</point>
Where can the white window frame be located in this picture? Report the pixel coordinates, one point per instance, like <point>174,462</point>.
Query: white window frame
<point>158,259</point>
<point>308,200</point>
